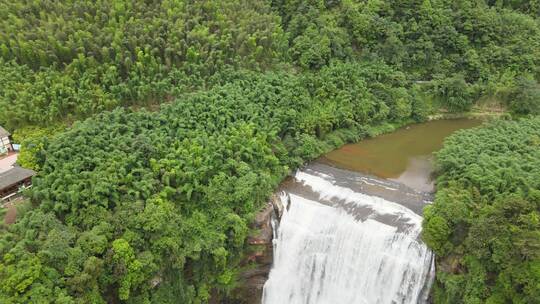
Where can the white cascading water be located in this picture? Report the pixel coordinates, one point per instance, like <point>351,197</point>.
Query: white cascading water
<point>325,254</point>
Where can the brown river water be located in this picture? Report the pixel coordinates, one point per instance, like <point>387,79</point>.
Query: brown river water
<point>404,156</point>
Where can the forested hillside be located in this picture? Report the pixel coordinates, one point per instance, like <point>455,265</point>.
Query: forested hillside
<point>152,206</point>
<point>485,222</point>
<point>68,60</point>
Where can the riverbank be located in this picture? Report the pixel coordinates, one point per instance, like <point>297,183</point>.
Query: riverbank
<point>482,110</point>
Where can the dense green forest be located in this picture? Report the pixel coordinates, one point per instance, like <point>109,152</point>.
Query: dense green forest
<point>128,198</point>
<point>68,60</point>
<point>160,127</point>
<point>485,222</point>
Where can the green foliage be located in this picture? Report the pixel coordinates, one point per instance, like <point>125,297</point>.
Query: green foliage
<point>455,94</point>
<point>129,268</point>
<point>526,99</point>
<point>465,49</point>
<point>531,7</point>
<point>33,141</point>
<point>67,61</point>
<point>143,207</point>
<point>437,232</point>
<point>64,61</point>
<point>485,222</point>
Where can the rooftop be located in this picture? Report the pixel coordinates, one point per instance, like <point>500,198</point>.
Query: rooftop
<point>13,176</point>
<point>7,162</point>
<point>3,132</point>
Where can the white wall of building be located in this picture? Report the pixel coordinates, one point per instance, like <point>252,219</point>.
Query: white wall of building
<point>5,144</point>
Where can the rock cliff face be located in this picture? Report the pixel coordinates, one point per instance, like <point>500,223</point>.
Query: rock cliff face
<point>258,260</point>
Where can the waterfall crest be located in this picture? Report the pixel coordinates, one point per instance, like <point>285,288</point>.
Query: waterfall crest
<point>337,245</point>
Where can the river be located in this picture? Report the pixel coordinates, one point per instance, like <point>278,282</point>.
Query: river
<point>350,232</point>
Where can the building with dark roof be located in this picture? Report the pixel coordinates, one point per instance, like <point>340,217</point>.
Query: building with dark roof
<point>12,180</point>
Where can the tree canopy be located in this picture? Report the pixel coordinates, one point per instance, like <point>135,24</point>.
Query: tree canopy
<point>160,127</point>
<point>485,223</point>
<point>154,206</point>
<point>64,61</point>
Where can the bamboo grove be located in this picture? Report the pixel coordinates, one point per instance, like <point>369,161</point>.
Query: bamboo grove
<point>484,225</point>
<point>159,128</point>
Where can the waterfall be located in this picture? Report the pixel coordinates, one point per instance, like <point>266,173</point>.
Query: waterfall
<point>335,245</point>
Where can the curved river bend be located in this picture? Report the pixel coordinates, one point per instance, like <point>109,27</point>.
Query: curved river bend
<point>350,232</point>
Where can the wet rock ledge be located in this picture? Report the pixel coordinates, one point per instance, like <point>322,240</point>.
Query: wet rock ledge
<point>258,260</point>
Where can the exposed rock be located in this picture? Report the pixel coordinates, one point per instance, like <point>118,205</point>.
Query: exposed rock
<point>258,260</point>
<point>156,281</point>
<point>451,264</point>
